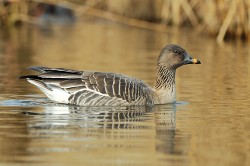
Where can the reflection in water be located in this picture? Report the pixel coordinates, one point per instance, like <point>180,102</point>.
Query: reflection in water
<point>49,127</point>
<point>59,116</point>
<point>165,129</point>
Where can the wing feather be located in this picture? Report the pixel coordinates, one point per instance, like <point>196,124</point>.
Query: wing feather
<point>84,86</point>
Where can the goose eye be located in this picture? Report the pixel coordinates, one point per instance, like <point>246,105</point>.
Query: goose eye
<point>176,51</point>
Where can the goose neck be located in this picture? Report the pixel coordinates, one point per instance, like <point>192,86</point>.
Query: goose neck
<point>165,78</point>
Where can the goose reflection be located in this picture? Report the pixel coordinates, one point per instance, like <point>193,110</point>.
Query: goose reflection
<point>58,116</point>
<point>155,125</point>
<point>165,128</point>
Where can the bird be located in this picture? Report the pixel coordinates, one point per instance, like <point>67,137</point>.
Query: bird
<point>90,88</point>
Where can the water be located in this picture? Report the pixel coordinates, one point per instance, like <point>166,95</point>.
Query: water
<point>208,126</point>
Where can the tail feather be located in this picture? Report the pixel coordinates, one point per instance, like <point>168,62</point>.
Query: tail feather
<point>39,69</point>
<point>30,76</point>
<point>54,93</point>
<point>53,73</point>
<point>42,69</point>
<point>49,81</point>
<point>40,84</point>
<point>60,75</point>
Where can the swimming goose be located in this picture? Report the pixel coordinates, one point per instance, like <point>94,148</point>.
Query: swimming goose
<point>85,88</point>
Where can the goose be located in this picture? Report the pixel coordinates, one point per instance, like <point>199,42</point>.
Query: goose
<point>88,88</point>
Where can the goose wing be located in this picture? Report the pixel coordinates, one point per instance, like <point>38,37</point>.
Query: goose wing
<point>85,86</point>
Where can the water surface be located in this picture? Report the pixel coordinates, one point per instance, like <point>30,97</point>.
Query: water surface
<point>208,126</point>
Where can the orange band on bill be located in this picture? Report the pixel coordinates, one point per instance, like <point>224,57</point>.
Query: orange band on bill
<point>195,61</point>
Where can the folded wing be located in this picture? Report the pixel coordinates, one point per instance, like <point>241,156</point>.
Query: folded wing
<point>90,88</point>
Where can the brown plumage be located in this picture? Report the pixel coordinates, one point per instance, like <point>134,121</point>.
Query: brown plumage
<point>109,89</point>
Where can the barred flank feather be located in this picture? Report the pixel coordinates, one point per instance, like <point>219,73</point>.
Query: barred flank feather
<point>95,88</point>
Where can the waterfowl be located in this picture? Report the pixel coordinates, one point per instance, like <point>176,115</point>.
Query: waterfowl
<point>85,88</point>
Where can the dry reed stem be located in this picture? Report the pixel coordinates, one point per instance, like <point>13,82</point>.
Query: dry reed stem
<point>227,21</point>
<point>126,20</point>
<point>176,12</point>
<point>189,12</point>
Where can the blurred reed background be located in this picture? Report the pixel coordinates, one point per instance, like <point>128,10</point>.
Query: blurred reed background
<point>221,19</point>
